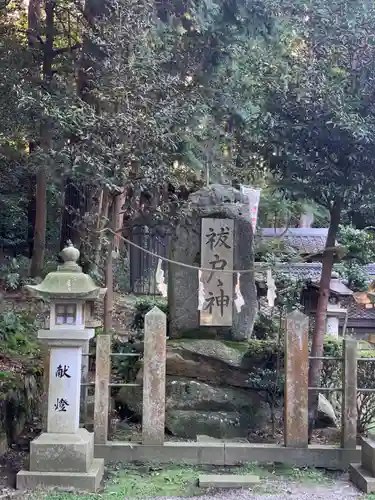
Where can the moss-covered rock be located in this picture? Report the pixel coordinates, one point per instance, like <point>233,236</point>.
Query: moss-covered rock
<point>221,424</point>
<point>210,388</point>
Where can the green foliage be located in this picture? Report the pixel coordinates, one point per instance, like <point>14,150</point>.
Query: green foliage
<point>264,352</point>
<point>13,273</point>
<point>366,400</point>
<point>332,377</point>
<point>265,327</point>
<point>18,334</point>
<point>125,368</point>
<point>314,109</point>
<point>143,306</point>
<point>20,376</point>
<point>121,274</point>
<point>267,374</point>
<point>360,248</point>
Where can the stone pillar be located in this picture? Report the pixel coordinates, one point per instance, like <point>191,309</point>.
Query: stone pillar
<point>349,396</point>
<point>64,455</point>
<point>154,359</point>
<point>102,380</point>
<point>84,380</point>
<point>332,327</point>
<point>296,381</point>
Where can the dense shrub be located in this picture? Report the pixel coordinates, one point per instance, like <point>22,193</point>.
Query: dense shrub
<point>332,377</point>
<point>20,371</point>
<point>267,373</point>
<point>265,327</point>
<point>14,272</point>
<point>143,306</point>
<point>125,368</point>
<point>121,273</point>
<point>366,400</point>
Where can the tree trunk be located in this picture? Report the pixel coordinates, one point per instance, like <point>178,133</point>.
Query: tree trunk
<point>72,207</point>
<point>119,219</point>
<point>108,300</point>
<point>321,313</point>
<point>34,14</point>
<point>37,259</point>
<point>102,223</point>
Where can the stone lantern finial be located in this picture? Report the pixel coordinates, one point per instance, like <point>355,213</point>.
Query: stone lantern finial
<point>70,253</point>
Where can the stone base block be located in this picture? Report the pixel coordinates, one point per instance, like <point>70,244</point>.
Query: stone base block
<point>81,481</point>
<point>361,478</point>
<point>227,480</point>
<point>62,452</point>
<point>368,455</point>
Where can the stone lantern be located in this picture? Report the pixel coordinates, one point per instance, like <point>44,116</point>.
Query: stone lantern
<point>64,455</point>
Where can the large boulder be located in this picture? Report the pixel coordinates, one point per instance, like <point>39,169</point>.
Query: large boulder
<point>206,391</point>
<point>211,361</point>
<point>187,394</point>
<point>326,413</point>
<point>215,201</point>
<point>194,407</point>
<point>221,424</point>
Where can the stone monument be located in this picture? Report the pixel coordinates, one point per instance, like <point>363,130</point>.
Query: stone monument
<point>215,233</point>
<point>64,455</point>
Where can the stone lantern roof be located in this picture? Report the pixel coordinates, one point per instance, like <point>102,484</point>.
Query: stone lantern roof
<point>68,282</point>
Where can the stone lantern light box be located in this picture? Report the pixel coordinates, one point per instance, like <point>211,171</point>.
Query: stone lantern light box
<point>65,448</point>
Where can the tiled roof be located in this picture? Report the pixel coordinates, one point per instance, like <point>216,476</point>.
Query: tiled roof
<point>310,271</point>
<point>306,240</point>
<point>370,269</point>
<point>359,311</point>
<point>299,271</point>
<point>303,271</point>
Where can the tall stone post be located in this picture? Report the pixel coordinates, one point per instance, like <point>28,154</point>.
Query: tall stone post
<point>296,381</point>
<point>64,454</point>
<point>154,359</point>
<point>349,396</point>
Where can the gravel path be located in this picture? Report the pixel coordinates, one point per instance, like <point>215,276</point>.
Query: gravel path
<point>285,490</point>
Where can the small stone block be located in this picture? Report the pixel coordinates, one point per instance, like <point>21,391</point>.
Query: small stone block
<point>62,452</point>
<point>81,481</point>
<point>368,455</point>
<point>227,480</point>
<point>361,478</point>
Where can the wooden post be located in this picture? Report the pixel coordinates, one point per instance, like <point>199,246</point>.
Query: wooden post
<point>349,394</point>
<point>296,381</point>
<point>102,380</point>
<point>154,359</point>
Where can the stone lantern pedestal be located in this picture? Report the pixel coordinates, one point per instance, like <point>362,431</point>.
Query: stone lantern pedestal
<point>64,455</point>
<point>334,313</point>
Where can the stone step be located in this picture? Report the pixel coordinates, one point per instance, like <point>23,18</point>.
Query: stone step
<point>361,478</point>
<point>81,481</point>
<point>227,480</point>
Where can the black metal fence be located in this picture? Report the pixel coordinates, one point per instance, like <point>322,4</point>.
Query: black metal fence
<point>142,265</point>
